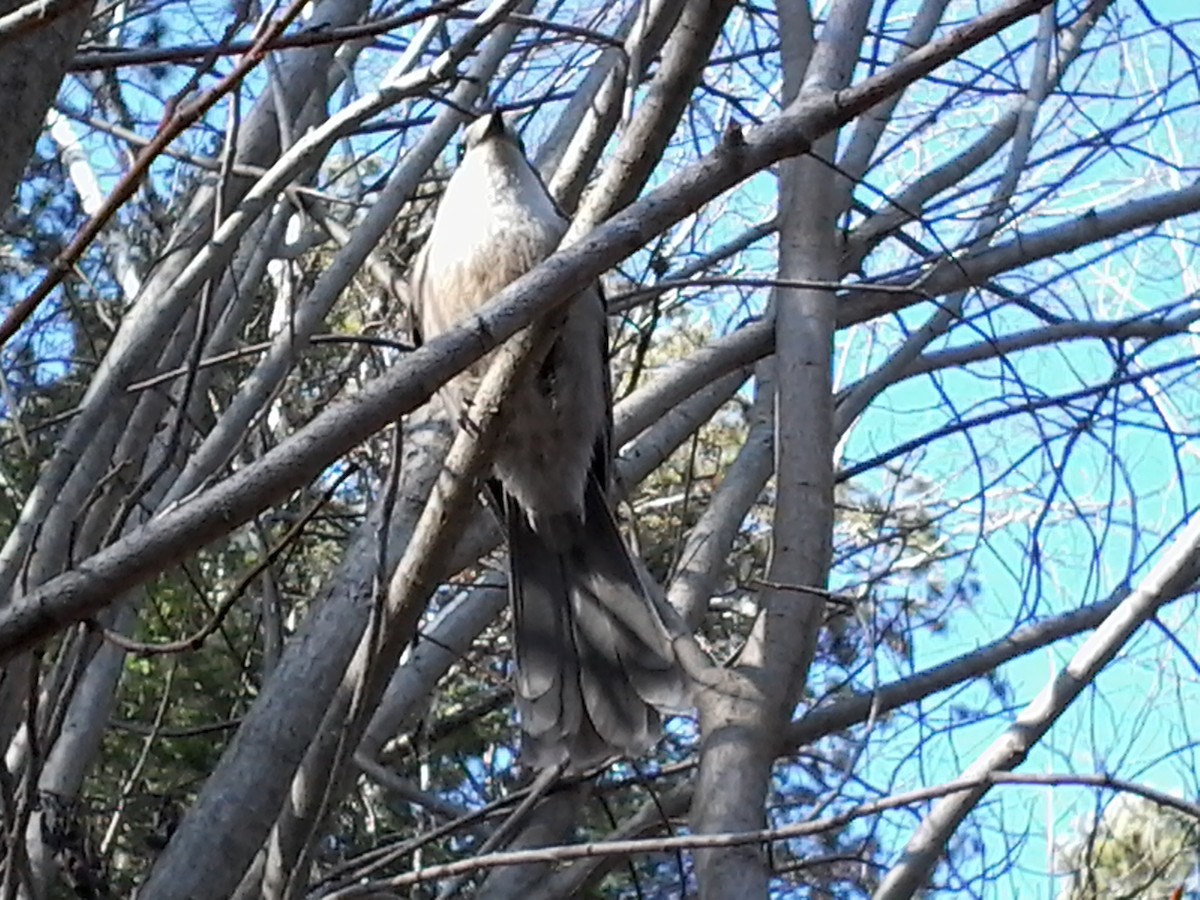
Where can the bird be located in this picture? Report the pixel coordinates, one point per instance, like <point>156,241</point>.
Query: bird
<point>594,663</point>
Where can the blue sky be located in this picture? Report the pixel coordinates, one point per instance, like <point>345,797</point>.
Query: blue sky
<point>1096,506</point>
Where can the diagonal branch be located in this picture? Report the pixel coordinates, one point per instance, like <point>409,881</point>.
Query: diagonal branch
<point>179,121</point>
<point>1175,573</point>
<point>175,534</point>
<point>182,873</point>
<point>756,837</point>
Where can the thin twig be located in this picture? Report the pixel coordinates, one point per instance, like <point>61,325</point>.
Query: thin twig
<point>540,787</point>
<point>196,641</point>
<point>760,836</point>
<point>100,59</point>
<point>33,15</point>
<point>178,121</point>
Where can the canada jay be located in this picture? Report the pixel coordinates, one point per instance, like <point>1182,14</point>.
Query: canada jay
<point>592,652</point>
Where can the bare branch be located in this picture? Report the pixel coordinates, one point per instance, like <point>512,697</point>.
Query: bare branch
<point>1175,573</point>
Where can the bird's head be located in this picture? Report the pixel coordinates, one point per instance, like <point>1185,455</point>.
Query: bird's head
<point>495,169</point>
<point>493,126</point>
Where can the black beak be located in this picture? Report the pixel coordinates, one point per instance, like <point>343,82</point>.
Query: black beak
<point>495,126</point>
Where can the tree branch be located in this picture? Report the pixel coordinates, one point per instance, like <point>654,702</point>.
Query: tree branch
<point>1174,573</point>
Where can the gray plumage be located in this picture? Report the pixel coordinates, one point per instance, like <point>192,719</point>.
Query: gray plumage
<point>592,652</point>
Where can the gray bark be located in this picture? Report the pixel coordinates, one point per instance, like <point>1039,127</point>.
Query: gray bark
<point>737,753</point>
<point>223,507</point>
<point>32,66</point>
<point>708,544</point>
<point>1176,572</point>
<point>577,141</point>
<point>315,448</point>
<point>81,456</point>
<point>249,783</point>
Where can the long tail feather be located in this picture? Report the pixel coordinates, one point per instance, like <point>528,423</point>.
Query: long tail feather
<point>593,656</point>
